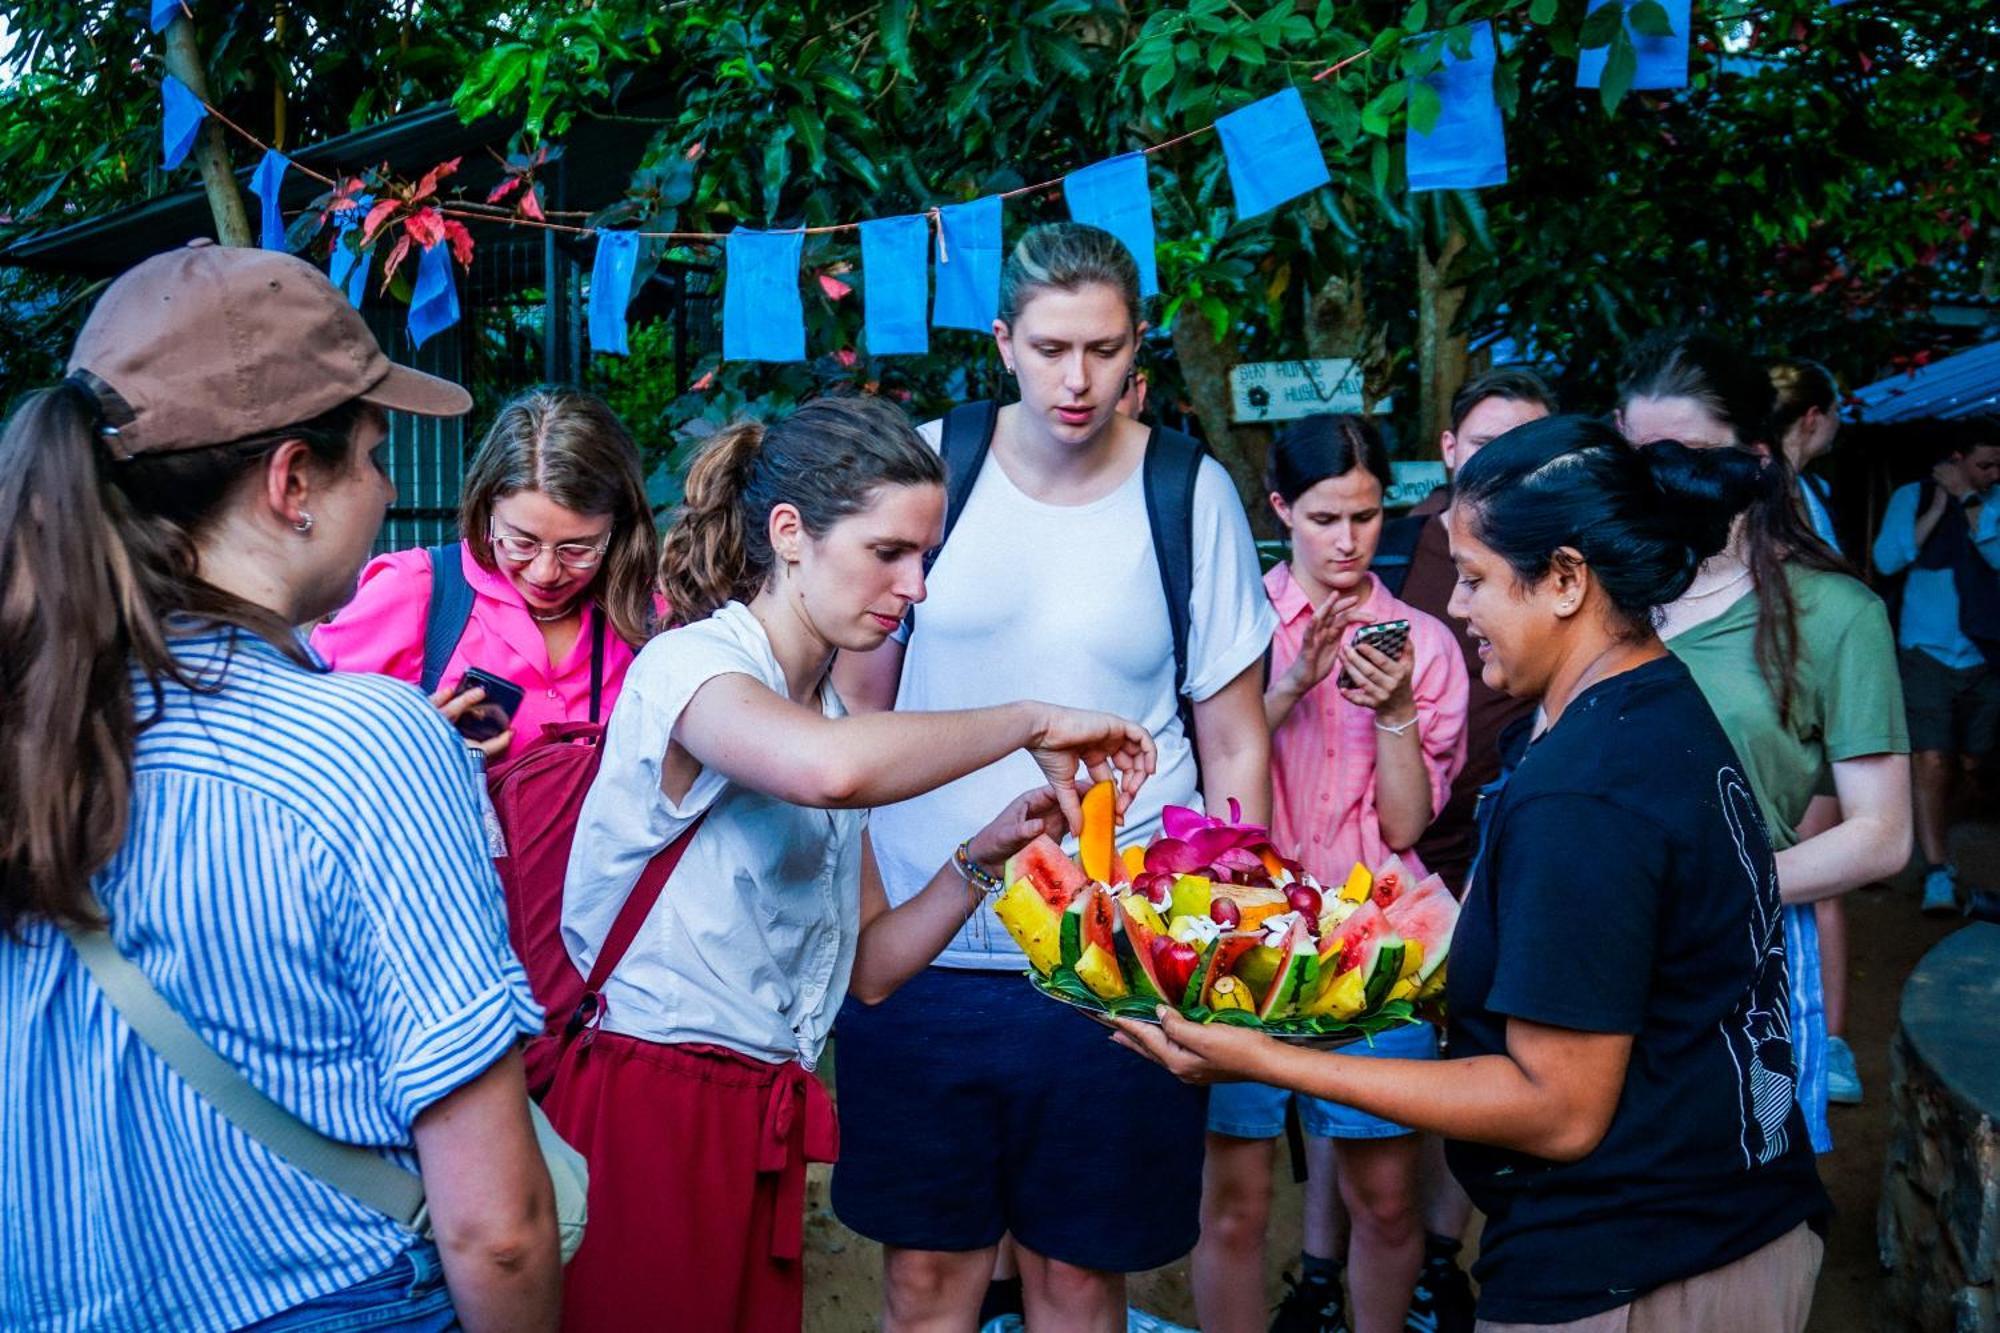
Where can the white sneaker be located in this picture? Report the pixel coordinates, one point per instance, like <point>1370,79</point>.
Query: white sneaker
<point>1941,892</point>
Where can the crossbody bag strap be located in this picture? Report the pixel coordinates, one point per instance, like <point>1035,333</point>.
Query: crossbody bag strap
<point>625,928</point>
<point>349,1168</point>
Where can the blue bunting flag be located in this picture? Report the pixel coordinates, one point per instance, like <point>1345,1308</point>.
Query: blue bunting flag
<point>968,266</point>
<point>1113,194</point>
<point>165,12</point>
<point>266,185</point>
<point>434,303</point>
<point>348,267</point>
<point>181,121</point>
<point>1467,148</point>
<point>895,284</point>
<point>1272,152</point>
<point>763,318</point>
<point>1663,61</point>
<point>611,290</point>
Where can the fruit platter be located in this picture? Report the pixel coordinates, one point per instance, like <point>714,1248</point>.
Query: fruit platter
<point>1213,920</point>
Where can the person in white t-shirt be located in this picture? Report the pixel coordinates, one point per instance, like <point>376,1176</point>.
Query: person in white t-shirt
<point>693,1097</point>
<point>978,1110</point>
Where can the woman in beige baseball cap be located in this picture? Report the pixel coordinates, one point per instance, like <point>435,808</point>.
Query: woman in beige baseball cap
<point>292,858</point>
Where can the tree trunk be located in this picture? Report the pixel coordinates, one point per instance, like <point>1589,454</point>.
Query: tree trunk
<point>1337,326</point>
<point>225,201</point>
<point>1441,352</point>
<point>1205,364</point>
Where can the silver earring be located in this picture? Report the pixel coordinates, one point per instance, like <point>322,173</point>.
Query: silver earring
<point>304,523</point>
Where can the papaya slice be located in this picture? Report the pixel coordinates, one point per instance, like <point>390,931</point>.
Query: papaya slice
<point>1094,844</point>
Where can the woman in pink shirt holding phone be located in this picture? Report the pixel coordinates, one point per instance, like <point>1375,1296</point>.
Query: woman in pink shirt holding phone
<point>1366,701</point>
<point>559,551</point>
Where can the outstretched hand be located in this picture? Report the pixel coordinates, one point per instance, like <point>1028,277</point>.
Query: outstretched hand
<point>1027,817</point>
<point>1109,749</point>
<point>1197,1052</point>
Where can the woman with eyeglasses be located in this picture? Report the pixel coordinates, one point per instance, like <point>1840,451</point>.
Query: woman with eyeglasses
<point>559,550</point>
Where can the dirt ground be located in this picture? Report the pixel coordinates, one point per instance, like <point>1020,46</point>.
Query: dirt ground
<point>1888,937</point>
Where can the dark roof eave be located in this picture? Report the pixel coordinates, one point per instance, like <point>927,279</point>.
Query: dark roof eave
<point>112,242</point>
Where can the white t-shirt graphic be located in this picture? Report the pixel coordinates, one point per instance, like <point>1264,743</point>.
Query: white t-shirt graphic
<point>1063,603</point>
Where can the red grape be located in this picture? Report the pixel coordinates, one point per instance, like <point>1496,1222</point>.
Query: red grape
<point>1304,899</point>
<point>1225,913</point>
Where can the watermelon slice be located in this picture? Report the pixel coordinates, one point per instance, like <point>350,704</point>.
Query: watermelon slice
<point>1382,964</point>
<point>1216,960</point>
<point>1391,881</point>
<point>1363,925</point>
<point>1139,937</point>
<point>1042,863</point>
<point>1298,965</point>
<point>1426,916</point>
<point>1087,922</point>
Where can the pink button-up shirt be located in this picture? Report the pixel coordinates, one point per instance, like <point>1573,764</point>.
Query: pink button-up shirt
<point>382,630</point>
<point>1323,754</point>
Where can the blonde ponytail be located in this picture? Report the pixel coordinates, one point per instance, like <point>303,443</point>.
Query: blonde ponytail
<point>704,560</point>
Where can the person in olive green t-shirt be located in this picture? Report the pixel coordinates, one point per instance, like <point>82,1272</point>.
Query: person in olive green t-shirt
<point>1796,658</point>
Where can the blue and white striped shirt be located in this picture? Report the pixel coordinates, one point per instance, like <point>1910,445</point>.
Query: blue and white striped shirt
<point>305,880</point>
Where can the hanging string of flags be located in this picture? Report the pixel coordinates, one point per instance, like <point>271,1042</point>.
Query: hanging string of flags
<point>949,258</point>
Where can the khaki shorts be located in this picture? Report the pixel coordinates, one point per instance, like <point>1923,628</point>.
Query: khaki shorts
<point>1767,1291</point>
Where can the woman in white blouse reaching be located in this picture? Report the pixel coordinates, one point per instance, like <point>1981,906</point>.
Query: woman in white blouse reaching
<point>693,1098</point>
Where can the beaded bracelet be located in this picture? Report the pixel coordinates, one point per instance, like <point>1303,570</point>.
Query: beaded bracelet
<point>986,884</point>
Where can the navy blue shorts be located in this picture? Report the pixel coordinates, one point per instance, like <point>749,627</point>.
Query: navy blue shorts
<point>971,1107</point>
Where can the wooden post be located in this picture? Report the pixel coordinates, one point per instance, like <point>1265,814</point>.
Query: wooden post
<point>225,201</point>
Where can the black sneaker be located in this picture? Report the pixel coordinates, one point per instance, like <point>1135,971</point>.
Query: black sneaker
<point>1310,1306</point>
<point>1442,1301</point>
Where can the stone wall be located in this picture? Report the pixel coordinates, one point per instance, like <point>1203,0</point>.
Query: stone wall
<point>1939,1220</point>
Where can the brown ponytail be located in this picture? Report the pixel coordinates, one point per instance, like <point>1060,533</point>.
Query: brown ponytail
<point>827,460</point>
<point>95,557</point>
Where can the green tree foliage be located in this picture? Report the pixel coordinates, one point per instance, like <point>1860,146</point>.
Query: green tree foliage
<point>1826,174</point>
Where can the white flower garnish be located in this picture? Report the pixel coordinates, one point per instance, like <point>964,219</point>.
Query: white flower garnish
<point>1277,927</point>
<point>1197,930</point>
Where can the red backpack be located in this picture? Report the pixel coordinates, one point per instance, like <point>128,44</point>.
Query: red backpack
<point>537,798</point>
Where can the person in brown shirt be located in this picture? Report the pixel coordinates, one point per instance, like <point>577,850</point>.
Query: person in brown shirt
<point>1485,408</point>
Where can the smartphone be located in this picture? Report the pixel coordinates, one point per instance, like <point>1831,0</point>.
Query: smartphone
<point>1385,637</point>
<point>495,713</point>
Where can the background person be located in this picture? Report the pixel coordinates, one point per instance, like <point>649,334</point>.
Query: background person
<point>694,1100</point>
<point>1944,539</point>
<point>1806,423</point>
<point>1624,1119</point>
<point>1357,771</point>
<point>207,478</point>
<point>1795,657</point>
<point>556,533</point>
<point>1049,586</point>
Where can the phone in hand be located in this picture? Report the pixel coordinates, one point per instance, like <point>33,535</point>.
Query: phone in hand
<point>493,714</point>
<point>1386,637</point>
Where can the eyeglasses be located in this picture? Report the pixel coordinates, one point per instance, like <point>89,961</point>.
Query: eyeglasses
<point>518,550</point>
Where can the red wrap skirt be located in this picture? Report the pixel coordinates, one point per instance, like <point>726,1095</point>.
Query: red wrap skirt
<point>697,1185</point>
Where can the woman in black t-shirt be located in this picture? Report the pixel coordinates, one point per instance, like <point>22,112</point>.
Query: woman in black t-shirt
<point>1619,1099</point>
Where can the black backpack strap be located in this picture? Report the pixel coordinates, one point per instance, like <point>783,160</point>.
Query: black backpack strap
<point>450,612</point>
<point>1173,462</point>
<point>1396,548</point>
<point>967,434</point>
<point>596,612</point>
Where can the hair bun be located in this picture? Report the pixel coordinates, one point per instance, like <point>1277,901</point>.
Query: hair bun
<point>1703,490</point>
